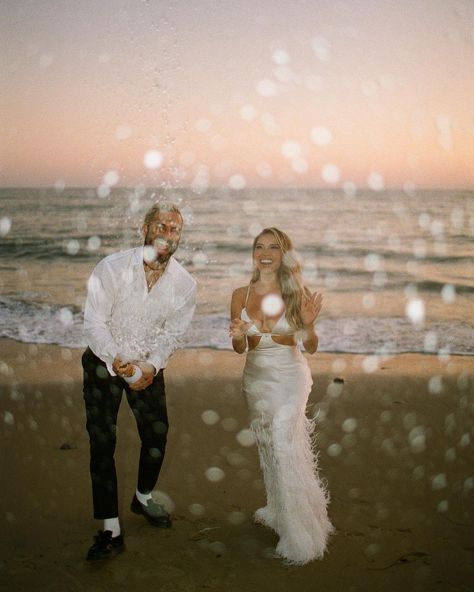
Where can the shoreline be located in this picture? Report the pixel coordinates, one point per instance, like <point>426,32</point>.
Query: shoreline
<point>50,362</point>
<point>399,475</point>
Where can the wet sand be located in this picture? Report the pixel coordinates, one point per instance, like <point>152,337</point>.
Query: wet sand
<point>399,473</point>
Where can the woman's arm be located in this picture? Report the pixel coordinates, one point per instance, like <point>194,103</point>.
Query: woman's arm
<point>237,326</point>
<point>310,309</point>
<point>310,339</point>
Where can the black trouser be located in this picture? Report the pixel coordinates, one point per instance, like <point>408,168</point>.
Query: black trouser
<point>102,396</point>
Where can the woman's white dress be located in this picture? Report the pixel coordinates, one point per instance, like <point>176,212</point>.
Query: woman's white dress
<point>277,382</point>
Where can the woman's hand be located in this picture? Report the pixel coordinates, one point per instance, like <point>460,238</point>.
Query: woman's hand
<point>238,328</point>
<point>310,308</point>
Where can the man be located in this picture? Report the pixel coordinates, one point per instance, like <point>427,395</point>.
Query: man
<point>139,305</point>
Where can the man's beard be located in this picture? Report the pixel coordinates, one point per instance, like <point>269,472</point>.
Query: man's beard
<point>152,255</point>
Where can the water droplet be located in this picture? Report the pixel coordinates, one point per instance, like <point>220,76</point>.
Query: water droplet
<point>415,311</point>
<point>237,182</point>
<point>73,247</point>
<point>266,88</point>
<point>200,260</point>
<point>334,389</point>
<point>417,439</point>
<point>339,365</point>
<point>248,112</point>
<point>281,57</point>
<point>5,225</point>
<point>149,254</point>
<point>372,262</point>
<point>93,243</point>
<point>430,342</point>
<point>321,135</point>
<point>103,191</point>
<point>66,317</point>
<point>439,481</point>
<point>111,178</point>
<point>418,472</point>
<point>448,293</point>
<point>197,509</point>
<point>437,228</point>
<point>376,181</point>
<point>443,506</point>
<point>272,305</point>
<point>468,484</point>
<point>370,364</point>
<point>349,188</point>
<point>349,425</point>
<point>152,159</point>
<point>214,474</point>
<point>291,149</point>
<point>60,185</point>
<point>450,455</point>
<point>8,418</point>
<point>162,498</point>
<point>334,449</point>
<point>210,417</point>
<point>331,173</point>
<point>435,385</point>
<point>245,437</point>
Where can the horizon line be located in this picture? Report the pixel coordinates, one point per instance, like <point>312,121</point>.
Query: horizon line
<point>237,191</point>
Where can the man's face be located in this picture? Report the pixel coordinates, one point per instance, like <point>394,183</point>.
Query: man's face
<point>163,235</point>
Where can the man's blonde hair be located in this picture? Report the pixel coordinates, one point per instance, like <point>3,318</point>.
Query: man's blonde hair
<point>157,208</point>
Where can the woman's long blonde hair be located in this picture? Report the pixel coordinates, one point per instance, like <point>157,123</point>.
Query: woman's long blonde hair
<point>289,276</point>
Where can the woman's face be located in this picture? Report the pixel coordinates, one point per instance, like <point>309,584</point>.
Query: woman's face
<point>267,254</point>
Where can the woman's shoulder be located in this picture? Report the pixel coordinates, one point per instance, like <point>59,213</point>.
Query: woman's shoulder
<point>240,293</point>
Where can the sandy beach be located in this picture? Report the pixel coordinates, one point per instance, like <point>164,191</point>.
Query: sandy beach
<point>395,449</point>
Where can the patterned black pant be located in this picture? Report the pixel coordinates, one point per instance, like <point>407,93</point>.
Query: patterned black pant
<point>102,396</point>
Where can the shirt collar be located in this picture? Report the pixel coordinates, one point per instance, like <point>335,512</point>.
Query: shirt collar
<point>138,260</point>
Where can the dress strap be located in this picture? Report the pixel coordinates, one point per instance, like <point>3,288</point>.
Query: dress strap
<point>247,297</point>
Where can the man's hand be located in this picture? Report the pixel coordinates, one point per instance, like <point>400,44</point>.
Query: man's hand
<point>142,383</point>
<point>121,368</point>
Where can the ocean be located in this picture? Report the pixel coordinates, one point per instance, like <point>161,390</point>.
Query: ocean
<point>395,268</point>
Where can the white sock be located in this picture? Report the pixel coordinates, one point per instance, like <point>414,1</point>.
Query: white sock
<point>143,497</point>
<point>113,525</point>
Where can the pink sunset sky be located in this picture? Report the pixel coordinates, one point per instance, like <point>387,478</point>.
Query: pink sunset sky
<point>245,93</point>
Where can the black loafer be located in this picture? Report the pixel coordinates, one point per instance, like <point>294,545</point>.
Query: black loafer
<point>105,546</point>
<point>153,512</point>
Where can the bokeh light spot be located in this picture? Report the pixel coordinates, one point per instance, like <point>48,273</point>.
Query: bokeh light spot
<point>272,305</point>
<point>152,159</point>
<point>214,474</point>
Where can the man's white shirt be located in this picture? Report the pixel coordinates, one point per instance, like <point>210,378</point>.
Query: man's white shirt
<point>122,318</point>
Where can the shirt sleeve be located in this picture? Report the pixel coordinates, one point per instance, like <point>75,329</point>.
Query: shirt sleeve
<point>173,331</point>
<point>97,312</point>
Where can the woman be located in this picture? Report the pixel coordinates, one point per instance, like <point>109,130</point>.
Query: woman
<point>269,316</point>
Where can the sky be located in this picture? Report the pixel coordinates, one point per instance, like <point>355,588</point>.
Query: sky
<point>272,93</point>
